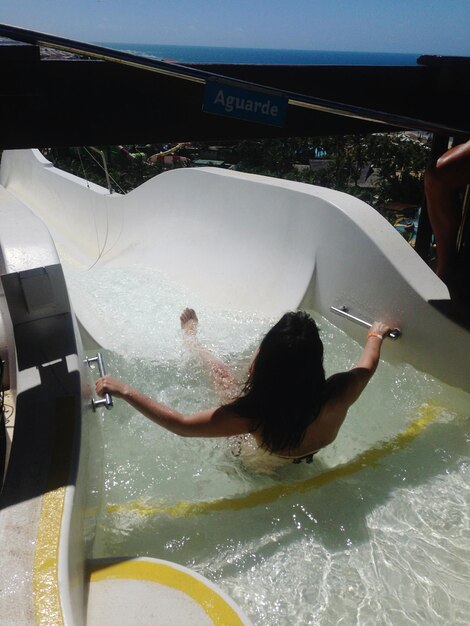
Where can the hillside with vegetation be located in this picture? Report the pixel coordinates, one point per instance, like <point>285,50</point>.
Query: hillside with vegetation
<point>385,170</point>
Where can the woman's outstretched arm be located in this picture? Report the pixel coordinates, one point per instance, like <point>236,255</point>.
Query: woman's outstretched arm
<point>346,387</point>
<point>361,373</point>
<point>214,422</point>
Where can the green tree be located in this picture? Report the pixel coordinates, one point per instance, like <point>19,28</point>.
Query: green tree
<point>398,161</point>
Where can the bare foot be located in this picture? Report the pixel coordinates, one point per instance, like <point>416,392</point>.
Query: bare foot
<point>189,321</point>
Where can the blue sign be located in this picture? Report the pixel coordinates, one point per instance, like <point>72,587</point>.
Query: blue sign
<point>244,104</point>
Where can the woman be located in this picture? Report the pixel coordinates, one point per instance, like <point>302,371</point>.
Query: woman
<point>287,406</point>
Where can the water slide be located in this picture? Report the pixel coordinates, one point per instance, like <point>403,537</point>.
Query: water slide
<point>242,242</point>
<point>249,243</point>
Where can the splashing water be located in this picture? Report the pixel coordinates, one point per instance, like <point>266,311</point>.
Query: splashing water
<point>374,531</point>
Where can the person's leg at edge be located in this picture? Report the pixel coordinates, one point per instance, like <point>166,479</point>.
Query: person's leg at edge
<point>442,184</point>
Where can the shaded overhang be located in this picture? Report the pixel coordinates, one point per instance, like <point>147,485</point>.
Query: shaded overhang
<point>99,96</point>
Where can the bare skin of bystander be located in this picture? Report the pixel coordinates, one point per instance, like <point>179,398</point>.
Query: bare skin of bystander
<point>442,184</point>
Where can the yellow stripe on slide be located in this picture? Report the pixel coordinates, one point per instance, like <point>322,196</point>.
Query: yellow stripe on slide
<point>427,414</point>
<point>47,605</point>
<point>218,609</point>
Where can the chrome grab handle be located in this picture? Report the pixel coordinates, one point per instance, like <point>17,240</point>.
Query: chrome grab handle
<point>107,401</point>
<point>344,312</point>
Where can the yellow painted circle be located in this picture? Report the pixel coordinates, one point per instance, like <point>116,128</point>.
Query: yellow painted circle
<point>215,606</point>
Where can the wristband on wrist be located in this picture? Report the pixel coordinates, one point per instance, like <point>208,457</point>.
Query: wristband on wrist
<point>375,335</point>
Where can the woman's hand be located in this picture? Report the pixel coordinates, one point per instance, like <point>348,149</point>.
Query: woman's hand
<point>381,329</point>
<point>107,384</point>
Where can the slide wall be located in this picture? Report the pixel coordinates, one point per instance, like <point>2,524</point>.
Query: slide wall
<point>42,569</point>
<point>252,243</point>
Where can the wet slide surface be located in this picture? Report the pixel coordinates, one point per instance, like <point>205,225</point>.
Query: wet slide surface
<point>390,491</point>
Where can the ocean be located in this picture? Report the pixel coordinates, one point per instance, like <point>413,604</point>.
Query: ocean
<point>264,56</point>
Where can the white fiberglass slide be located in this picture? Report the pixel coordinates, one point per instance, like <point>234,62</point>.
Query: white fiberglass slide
<point>250,243</point>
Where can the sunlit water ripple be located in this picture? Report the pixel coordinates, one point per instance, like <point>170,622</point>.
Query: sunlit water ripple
<point>387,543</point>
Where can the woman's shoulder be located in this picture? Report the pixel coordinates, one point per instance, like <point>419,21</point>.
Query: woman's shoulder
<point>344,386</point>
<point>336,385</point>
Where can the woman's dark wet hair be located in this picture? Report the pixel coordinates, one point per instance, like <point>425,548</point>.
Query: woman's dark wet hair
<point>285,387</point>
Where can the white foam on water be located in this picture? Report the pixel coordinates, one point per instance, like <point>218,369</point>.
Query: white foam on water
<point>387,543</point>
<point>140,309</point>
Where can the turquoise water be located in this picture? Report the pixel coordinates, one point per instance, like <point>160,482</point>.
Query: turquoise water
<point>384,540</point>
<point>268,56</point>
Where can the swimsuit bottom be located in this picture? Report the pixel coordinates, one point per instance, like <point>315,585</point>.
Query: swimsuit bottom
<point>308,458</point>
<point>254,457</point>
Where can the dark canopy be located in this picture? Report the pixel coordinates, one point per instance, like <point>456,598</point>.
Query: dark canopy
<point>58,92</point>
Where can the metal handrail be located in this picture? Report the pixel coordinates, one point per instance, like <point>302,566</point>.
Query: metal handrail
<point>202,77</point>
<point>107,401</point>
<point>344,312</point>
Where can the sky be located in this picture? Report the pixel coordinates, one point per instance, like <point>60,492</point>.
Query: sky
<point>414,26</point>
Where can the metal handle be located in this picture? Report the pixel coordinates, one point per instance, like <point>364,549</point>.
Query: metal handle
<point>107,401</point>
<point>343,311</point>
